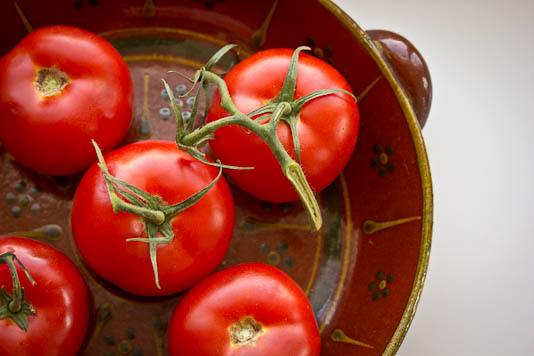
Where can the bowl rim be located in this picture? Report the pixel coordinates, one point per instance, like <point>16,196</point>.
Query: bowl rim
<point>422,162</point>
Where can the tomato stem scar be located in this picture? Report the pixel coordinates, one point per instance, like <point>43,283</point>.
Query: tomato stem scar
<point>245,332</point>
<point>50,81</point>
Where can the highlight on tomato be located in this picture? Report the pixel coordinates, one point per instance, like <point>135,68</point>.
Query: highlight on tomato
<point>60,87</point>
<point>250,309</point>
<point>151,219</point>
<point>44,307</point>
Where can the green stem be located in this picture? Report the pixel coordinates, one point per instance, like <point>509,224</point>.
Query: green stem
<point>295,175</point>
<point>176,109</point>
<point>155,217</point>
<point>237,118</point>
<point>16,304</point>
<point>226,99</point>
<point>9,259</point>
<point>283,108</point>
<point>195,137</point>
<point>293,172</point>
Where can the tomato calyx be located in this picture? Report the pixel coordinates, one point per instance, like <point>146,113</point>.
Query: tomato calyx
<point>245,332</point>
<point>156,213</point>
<point>15,306</point>
<point>50,81</point>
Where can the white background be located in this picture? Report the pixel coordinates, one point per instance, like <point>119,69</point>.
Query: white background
<point>479,294</point>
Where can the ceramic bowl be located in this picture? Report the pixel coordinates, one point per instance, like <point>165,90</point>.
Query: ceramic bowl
<point>364,270</point>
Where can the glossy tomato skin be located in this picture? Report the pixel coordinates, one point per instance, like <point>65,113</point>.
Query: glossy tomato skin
<point>60,298</point>
<point>327,126</point>
<point>52,134</point>
<point>201,322</point>
<point>202,232</point>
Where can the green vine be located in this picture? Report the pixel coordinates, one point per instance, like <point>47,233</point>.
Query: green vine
<point>284,107</point>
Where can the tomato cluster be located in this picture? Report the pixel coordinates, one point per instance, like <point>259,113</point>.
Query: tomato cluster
<point>161,206</point>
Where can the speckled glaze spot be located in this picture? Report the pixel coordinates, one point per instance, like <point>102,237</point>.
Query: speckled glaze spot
<point>180,89</point>
<point>165,113</point>
<point>382,159</point>
<point>380,287</point>
<point>16,211</point>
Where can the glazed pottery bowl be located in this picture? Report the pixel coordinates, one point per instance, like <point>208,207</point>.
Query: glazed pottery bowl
<point>364,270</point>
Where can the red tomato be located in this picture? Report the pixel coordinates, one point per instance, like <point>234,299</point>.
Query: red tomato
<point>52,133</point>
<point>202,232</point>
<point>327,127</point>
<point>60,299</point>
<point>250,309</point>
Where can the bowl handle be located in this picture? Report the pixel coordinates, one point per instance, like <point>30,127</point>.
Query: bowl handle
<point>410,68</point>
